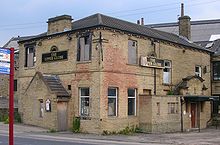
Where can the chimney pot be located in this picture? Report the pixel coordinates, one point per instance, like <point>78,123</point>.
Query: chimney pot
<point>142,21</point>
<point>184,24</point>
<point>182,9</point>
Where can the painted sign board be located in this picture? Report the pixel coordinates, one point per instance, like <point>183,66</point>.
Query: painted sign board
<point>4,61</point>
<point>54,56</point>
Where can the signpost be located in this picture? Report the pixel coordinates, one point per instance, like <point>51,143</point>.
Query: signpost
<point>7,67</point>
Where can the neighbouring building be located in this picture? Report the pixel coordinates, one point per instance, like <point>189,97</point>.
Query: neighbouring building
<point>112,74</point>
<point>4,79</point>
<point>205,33</point>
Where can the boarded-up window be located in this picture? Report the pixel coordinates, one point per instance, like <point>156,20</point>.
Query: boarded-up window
<point>84,49</point>
<point>30,57</point>
<point>132,52</point>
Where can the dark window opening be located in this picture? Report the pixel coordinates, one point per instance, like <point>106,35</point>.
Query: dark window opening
<point>15,85</point>
<point>216,71</point>
<point>69,87</point>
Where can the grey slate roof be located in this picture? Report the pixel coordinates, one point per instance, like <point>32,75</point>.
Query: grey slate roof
<point>216,47</point>
<point>55,86</point>
<point>200,30</point>
<point>184,84</point>
<point>97,20</point>
<point>53,83</point>
<point>192,23</point>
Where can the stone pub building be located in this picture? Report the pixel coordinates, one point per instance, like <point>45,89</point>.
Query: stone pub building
<point>113,74</point>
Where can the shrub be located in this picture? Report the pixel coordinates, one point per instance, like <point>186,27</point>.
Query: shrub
<point>76,124</point>
<point>6,121</point>
<point>51,130</point>
<point>17,117</point>
<point>126,131</point>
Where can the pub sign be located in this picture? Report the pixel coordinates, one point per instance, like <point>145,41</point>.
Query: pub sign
<point>54,56</point>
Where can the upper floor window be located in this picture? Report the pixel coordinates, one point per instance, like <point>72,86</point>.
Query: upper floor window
<point>167,72</point>
<point>84,48</point>
<point>132,52</point>
<point>30,56</point>
<point>216,70</point>
<point>198,71</point>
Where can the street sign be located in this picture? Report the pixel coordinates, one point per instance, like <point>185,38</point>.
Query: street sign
<point>4,61</point>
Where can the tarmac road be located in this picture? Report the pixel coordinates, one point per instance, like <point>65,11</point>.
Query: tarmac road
<point>29,135</point>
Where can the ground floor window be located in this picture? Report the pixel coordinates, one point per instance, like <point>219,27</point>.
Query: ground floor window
<point>84,101</point>
<point>112,101</point>
<point>172,107</point>
<point>131,101</point>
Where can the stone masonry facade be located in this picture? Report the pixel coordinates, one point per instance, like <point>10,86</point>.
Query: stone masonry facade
<point>109,68</point>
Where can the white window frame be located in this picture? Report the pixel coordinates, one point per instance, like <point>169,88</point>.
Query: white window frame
<point>80,98</point>
<point>200,71</point>
<point>170,68</point>
<point>114,97</point>
<point>134,97</point>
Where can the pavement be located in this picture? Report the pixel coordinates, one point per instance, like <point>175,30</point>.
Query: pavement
<point>210,136</point>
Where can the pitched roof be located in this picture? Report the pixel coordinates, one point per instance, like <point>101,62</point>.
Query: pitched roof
<point>53,83</point>
<point>200,22</point>
<point>97,20</point>
<point>202,30</point>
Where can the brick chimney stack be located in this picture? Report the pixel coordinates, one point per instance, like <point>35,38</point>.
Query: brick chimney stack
<point>184,24</point>
<point>59,24</point>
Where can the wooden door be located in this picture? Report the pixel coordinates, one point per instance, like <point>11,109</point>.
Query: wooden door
<point>62,116</point>
<point>193,115</point>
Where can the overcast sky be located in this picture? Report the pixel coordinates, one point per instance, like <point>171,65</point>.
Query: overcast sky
<point>29,17</point>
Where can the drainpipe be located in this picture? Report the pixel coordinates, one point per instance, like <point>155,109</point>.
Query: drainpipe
<point>181,110</point>
<point>198,114</point>
<point>155,82</point>
<point>211,81</point>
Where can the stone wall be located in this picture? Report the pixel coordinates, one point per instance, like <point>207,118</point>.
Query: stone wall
<point>114,71</point>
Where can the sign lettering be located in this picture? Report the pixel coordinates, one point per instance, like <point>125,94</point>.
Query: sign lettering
<point>54,56</point>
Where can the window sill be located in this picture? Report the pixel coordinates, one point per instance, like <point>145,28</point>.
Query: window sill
<point>216,81</point>
<point>82,62</point>
<point>132,116</point>
<point>166,84</point>
<point>112,117</point>
<point>26,68</point>
<point>132,64</point>
<point>85,118</point>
